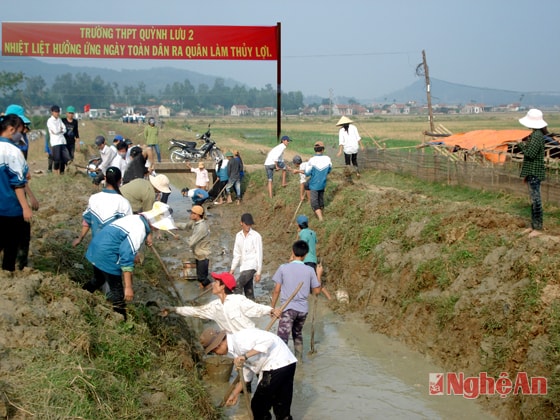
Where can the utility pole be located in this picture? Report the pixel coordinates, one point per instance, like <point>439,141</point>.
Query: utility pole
<point>428,91</point>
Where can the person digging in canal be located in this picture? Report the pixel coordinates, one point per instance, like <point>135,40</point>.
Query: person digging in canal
<point>199,242</point>
<point>264,354</point>
<point>232,312</point>
<point>113,251</point>
<point>286,280</point>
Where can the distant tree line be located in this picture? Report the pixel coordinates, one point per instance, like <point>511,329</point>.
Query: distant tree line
<point>80,89</point>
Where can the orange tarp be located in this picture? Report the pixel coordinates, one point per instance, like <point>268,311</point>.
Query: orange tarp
<point>491,143</point>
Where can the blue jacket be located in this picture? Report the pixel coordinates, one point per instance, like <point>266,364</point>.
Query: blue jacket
<point>222,173</point>
<point>104,208</point>
<point>113,248</point>
<point>13,174</point>
<point>199,196</point>
<point>318,167</point>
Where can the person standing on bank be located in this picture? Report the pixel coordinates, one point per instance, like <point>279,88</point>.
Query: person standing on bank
<point>15,211</point>
<point>275,162</point>
<point>151,135</point>
<point>234,178</point>
<point>533,169</point>
<point>202,179</point>
<point>318,168</point>
<point>57,129</point>
<point>349,141</point>
<point>248,254</point>
<point>260,353</point>
<point>222,179</point>
<point>72,134</point>
<point>199,242</point>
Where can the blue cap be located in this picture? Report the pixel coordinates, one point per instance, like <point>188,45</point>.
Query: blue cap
<point>302,219</point>
<point>118,137</point>
<point>285,138</point>
<point>19,111</point>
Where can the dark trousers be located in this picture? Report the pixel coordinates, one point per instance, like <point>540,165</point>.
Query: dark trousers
<point>534,184</point>
<point>275,391</point>
<point>71,146</point>
<point>245,284</point>
<point>23,248</point>
<point>291,323</point>
<point>13,229</point>
<point>317,199</point>
<point>351,158</point>
<point>60,157</point>
<point>116,289</point>
<point>202,271</point>
<point>164,197</point>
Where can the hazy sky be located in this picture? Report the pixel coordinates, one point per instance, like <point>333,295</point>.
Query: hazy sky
<point>360,48</point>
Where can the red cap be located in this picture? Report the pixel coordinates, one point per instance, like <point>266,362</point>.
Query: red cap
<point>226,278</point>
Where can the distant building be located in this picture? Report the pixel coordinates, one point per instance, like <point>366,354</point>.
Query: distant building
<point>267,111</point>
<point>97,113</point>
<point>164,111</point>
<point>472,109</point>
<point>239,110</point>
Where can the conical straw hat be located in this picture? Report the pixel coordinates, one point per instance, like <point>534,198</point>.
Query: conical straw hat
<point>344,120</point>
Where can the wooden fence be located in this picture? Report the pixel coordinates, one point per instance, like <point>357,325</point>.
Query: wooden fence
<point>454,169</point>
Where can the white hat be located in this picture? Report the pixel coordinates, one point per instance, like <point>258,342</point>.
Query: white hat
<point>533,119</point>
<point>344,120</point>
<point>160,183</point>
<point>160,216</point>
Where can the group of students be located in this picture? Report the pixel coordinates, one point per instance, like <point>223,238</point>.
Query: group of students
<point>62,139</point>
<point>260,352</point>
<point>228,176</point>
<point>313,173</point>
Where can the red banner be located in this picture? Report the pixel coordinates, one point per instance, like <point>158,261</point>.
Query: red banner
<point>169,42</point>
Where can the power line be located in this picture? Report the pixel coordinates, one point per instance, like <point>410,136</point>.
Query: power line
<point>357,54</point>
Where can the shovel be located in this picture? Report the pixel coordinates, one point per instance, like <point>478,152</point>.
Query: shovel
<point>245,393</point>
<point>206,290</point>
<point>315,304</point>
<point>288,228</point>
<point>168,275</point>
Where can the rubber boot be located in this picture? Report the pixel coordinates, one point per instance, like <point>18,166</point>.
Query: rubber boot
<point>298,349</point>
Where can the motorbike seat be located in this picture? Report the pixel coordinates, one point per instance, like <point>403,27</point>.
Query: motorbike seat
<point>186,143</point>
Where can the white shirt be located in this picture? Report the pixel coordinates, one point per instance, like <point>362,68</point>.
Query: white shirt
<point>56,131</point>
<point>273,352</point>
<point>233,315</point>
<point>248,251</point>
<point>275,154</point>
<point>302,177</point>
<point>119,162</point>
<point>349,140</point>
<point>107,156</point>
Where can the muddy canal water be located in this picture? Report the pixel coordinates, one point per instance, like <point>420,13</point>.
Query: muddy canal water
<point>354,373</point>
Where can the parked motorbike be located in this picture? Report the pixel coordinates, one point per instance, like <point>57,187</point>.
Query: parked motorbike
<point>184,150</point>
